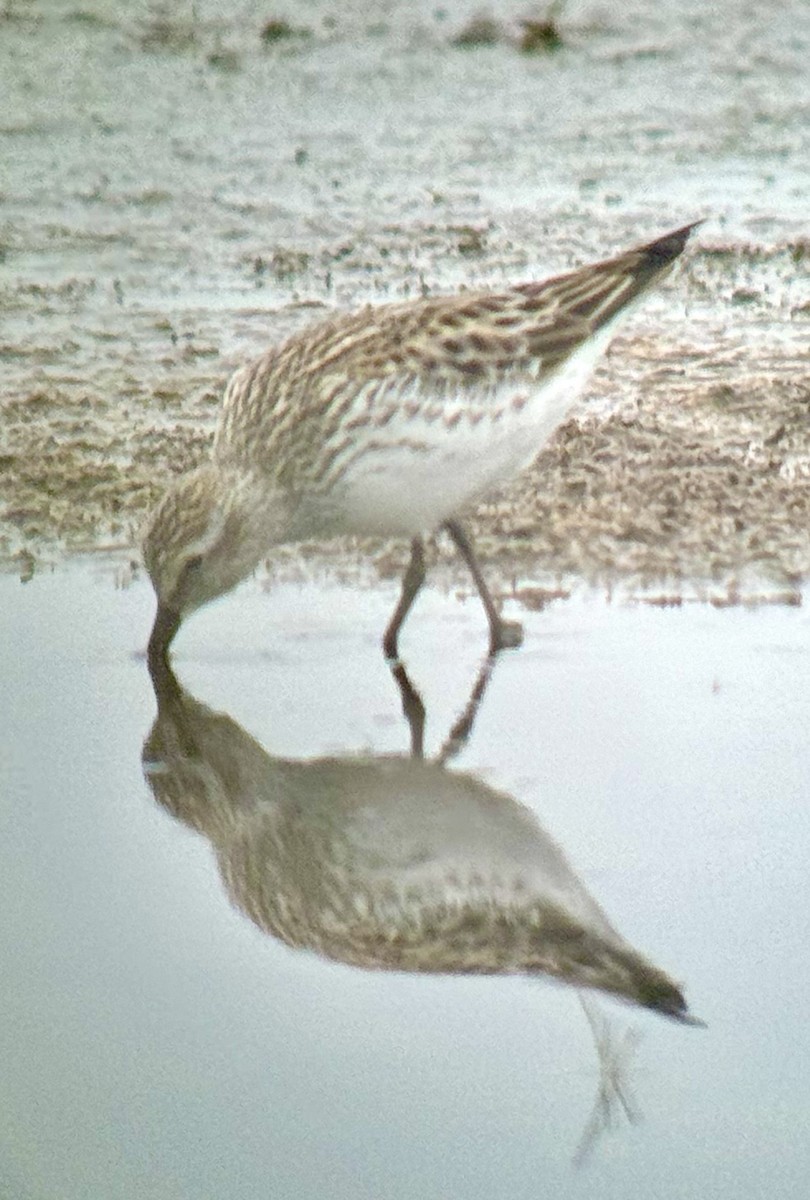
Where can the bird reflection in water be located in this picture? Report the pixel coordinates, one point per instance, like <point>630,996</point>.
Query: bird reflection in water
<point>395,862</point>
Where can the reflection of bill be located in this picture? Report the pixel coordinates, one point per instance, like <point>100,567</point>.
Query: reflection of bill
<point>388,862</point>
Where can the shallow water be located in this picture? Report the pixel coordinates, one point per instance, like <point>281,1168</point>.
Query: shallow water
<point>157,1043</point>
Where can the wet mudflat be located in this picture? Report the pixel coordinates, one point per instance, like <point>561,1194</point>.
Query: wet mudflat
<point>158,1041</point>
<point>182,189</point>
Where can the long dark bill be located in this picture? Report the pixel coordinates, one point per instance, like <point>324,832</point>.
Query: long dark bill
<point>167,622</point>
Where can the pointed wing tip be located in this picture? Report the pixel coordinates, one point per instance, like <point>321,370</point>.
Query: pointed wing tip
<point>677,1010</point>
<point>686,1018</point>
<point>667,248</point>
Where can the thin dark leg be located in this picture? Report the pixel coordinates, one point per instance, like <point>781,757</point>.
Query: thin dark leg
<point>460,733</point>
<point>413,709</point>
<point>502,634</point>
<point>412,581</point>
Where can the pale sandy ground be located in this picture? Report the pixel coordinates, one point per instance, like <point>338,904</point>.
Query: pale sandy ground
<point>177,193</point>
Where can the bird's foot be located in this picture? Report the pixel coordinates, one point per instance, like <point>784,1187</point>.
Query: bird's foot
<point>506,635</point>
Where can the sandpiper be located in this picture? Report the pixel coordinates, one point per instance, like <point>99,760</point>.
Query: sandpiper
<point>388,862</point>
<point>389,421</point>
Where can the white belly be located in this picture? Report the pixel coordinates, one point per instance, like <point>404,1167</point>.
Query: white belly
<point>412,475</point>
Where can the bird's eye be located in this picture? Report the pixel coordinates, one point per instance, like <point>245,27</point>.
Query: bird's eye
<point>186,580</point>
<point>192,564</point>
<point>190,568</point>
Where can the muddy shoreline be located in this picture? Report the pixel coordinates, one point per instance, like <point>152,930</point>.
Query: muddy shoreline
<point>142,267</point>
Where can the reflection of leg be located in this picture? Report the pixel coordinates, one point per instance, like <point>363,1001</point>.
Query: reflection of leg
<point>502,634</point>
<point>613,1056</point>
<point>459,735</point>
<point>414,711</point>
<point>412,707</point>
<point>412,581</point>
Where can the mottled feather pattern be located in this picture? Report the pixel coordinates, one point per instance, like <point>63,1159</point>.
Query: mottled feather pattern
<point>184,522</point>
<point>388,422</point>
<point>293,411</point>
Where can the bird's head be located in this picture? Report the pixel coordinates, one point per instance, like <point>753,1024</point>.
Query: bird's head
<point>205,535</point>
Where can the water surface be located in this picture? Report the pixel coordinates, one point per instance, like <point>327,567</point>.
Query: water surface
<point>157,1043</point>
